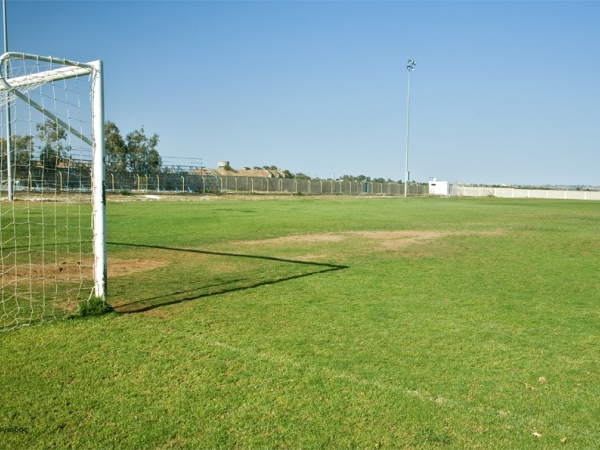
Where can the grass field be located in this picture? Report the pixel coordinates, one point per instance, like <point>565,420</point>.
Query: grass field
<point>324,323</point>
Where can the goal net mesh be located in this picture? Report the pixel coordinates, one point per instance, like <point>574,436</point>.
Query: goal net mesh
<point>46,220</point>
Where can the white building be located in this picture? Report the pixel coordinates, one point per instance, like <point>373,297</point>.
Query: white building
<point>437,187</point>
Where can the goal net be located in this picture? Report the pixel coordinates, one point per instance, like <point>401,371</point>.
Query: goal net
<point>52,206</point>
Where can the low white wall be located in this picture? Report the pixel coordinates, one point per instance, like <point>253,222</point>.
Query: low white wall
<point>469,191</point>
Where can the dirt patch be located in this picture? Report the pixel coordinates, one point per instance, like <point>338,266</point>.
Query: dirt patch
<point>297,239</point>
<point>73,271</point>
<point>395,240</point>
<point>310,257</point>
<point>374,240</point>
<point>385,236</point>
<point>151,313</point>
<point>122,267</point>
<point>392,235</point>
<point>485,233</point>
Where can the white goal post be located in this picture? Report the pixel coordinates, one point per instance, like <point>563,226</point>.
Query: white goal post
<point>52,168</point>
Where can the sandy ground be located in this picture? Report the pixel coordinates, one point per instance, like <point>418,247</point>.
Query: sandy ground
<point>67,270</point>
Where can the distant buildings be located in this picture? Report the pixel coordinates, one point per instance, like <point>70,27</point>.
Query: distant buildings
<point>224,169</point>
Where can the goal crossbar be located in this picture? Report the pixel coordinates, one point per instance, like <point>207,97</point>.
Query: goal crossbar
<point>35,79</point>
<point>71,70</point>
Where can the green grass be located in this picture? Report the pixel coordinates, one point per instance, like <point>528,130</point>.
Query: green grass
<point>477,335</point>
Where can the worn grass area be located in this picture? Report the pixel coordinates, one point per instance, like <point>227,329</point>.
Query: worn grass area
<point>303,323</point>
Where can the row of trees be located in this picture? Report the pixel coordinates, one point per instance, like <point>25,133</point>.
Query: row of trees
<point>365,179</point>
<point>136,153</point>
<point>53,149</point>
<point>48,149</point>
<point>303,176</point>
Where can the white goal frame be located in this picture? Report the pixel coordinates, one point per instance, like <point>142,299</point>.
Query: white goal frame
<point>70,69</point>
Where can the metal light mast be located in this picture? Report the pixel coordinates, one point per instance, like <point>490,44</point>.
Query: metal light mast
<point>8,146</point>
<point>411,66</point>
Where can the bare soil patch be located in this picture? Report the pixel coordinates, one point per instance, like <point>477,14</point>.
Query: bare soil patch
<point>311,257</point>
<point>73,270</point>
<point>297,239</point>
<point>394,240</point>
<point>150,313</point>
<point>375,240</point>
<point>385,236</point>
<point>122,267</point>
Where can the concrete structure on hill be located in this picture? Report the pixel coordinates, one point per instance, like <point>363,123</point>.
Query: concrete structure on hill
<point>224,169</point>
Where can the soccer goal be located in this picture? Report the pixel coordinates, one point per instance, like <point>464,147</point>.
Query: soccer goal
<point>52,202</point>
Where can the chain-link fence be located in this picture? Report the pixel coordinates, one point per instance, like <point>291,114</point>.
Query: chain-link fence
<point>78,178</point>
<point>43,180</point>
<point>163,182</point>
<point>191,183</point>
<point>259,185</point>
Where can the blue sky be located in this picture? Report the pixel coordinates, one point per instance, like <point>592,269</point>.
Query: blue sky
<point>503,92</point>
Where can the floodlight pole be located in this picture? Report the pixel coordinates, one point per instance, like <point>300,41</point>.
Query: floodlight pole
<point>9,178</point>
<point>411,66</point>
<point>5,27</point>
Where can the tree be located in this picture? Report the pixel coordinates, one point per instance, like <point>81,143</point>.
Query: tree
<point>142,154</point>
<point>53,151</point>
<point>228,168</point>
<point>22,149</point>
<point>116,150</point>
<point>136,153</point>
<point>360,178</point>
<point>23,146</point>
